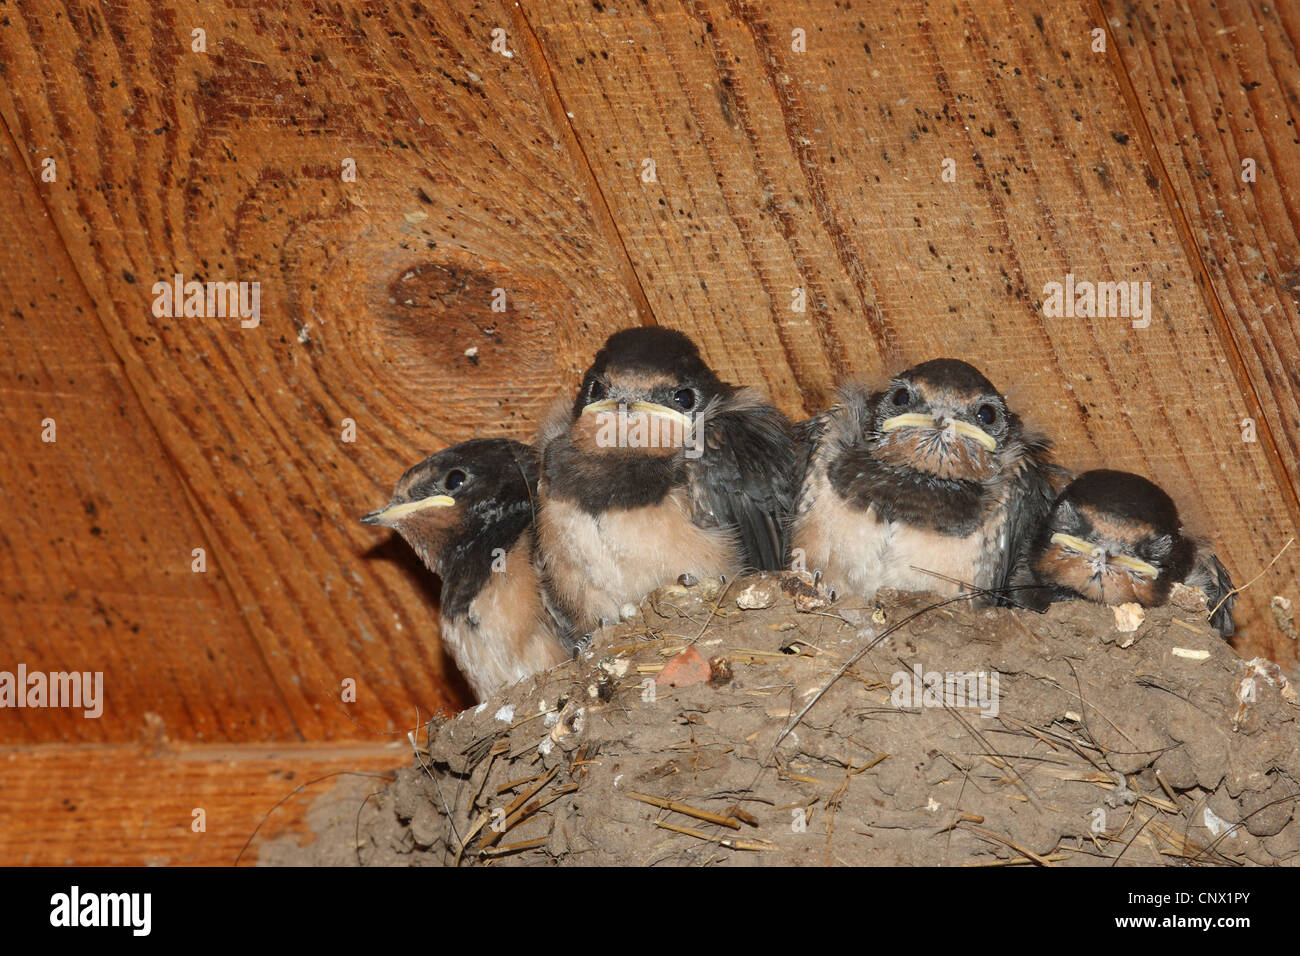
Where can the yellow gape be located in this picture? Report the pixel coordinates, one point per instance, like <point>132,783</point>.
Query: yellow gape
<point>639,408</point>
<point>1119,560</point>
<point>913,420</point>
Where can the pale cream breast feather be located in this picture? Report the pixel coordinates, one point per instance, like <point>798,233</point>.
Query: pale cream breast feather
<point>597,563</point>
<point>505,635</point>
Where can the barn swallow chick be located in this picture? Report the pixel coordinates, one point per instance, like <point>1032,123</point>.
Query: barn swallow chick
<point>468,513</point>
<point>930,484</point>
<point>657,469</point>
<point>1116,538</point>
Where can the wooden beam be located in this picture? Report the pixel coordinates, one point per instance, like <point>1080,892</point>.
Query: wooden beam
<point>98,540</point>
<point>825,170</point>
<point>135,806</point>
<point>1216,89</point>
<point>376,295</point>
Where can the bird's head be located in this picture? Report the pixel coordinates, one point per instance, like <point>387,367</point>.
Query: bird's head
<point>1111,537</point>
<point>945,419</point>
<point>451,499</point>
<point>643,394</point>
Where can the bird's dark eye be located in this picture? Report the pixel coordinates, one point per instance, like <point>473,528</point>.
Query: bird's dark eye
<point>455,478</point>
<point>902,396</point>
<point>685,399</point>
<point>987,414</point>
<point>598,390</point>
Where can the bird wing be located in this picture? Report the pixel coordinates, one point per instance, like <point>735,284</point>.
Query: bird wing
<point>745,477</point>
<point>1211,576</point>
<point>808,436</point>
<point>1028,506</point>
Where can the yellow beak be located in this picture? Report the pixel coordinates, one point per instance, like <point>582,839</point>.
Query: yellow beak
<point>386,516</point>
<point>1136,566</point>
<point>913,420</point>
<point>638,408</point>
<point>1119,560</point>
<point>1076,544</point>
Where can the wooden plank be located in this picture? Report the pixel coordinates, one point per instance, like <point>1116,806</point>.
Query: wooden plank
<point>777,169</point>
<point>95,546</point>
<point>1217,89</point>
<point>104,805</point>
<point>376,295</point>
<point>728,227</point>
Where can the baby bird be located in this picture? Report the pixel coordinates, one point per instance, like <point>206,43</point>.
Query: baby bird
<point>658,468</point>
<point>1116,538</point>
<point>929,482</point>
<point>468,513</point>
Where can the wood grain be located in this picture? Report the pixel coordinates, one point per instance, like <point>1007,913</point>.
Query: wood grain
<point>823,169</point>
<point>479,171</point>
<point>98,529</point>
<point>376,294</point>
<point>1217,88</point>
<point>106,805</point>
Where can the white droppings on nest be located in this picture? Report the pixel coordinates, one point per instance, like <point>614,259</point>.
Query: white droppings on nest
<point>615,667</point>
<point>627,611</point>
<point>569,721</point>
<point>1217,825</point>
<point>506,713</point>
<point>1128,617</point>
<point>1269,670</point>
<point>550,719</point>
<point>546,746</point>
<point>761,594</point>
<point>1247,687</point>
<point>932,805</point>
<point>1121,795</point>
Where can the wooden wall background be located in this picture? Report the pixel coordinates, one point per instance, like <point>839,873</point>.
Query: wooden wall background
<point>478,170</point>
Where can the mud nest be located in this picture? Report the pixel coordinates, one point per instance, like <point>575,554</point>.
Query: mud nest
<point>719,724</point>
